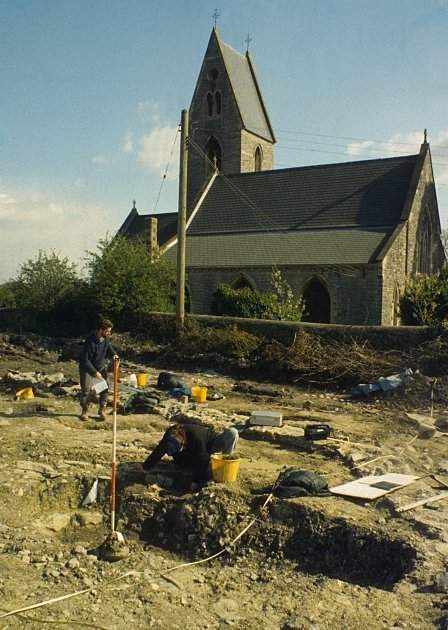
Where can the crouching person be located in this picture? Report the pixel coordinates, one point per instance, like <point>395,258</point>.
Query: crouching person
<point>190,446</point>
<point>96,353</point>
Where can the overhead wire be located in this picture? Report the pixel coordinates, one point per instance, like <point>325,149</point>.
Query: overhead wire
<point>166,169</point>
<point>354,139</point>
<point>268,223</point>
<point>346,153</point>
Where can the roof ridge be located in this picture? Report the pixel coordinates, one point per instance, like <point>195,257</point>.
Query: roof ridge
<point>321,228</point>
<point>223,43</point>
<point>325,165</point>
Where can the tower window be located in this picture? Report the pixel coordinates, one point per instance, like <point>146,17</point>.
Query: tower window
<point>213,152</point>
<point>258,159</point>
<point>209,104</point>
<point>213,74</point>
<point>218,103</point>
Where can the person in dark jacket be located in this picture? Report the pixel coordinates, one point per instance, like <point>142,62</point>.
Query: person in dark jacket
<point>190,446</point>
<point>93,362</point>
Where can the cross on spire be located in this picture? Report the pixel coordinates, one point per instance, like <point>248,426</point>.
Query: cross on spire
<point>134,205</point>
<point>215,16</point>
<point>247,42</point>
<point>425,136</point>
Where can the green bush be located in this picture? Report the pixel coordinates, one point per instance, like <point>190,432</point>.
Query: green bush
<point>7,295</point>
<point>425,301</point>
<point>43,280</point>
<point>124,279</point>
<point>280,303</point>
<point>225,341</point>
<point>240,302</point>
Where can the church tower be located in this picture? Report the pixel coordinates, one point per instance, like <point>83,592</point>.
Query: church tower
<point>228,120</point>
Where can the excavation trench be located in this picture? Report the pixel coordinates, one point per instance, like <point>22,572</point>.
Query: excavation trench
<point>196,526</point>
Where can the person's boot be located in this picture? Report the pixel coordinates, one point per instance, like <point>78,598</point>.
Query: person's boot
<point>83,416</point>
<point>102,413</point>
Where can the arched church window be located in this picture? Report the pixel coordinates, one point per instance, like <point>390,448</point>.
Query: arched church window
<point>214,155</point>
<point>258,159</point>
<point>242,283</point>
<point>209,104</point>
<point>424,244</point>
<point>317,302</point>
<point>218,103</point>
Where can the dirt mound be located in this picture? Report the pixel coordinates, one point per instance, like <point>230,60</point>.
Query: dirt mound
<point>200,525</point>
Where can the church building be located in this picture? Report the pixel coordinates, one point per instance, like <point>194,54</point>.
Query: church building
<point>348,237</point>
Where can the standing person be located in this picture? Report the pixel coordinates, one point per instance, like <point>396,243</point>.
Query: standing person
<point>190,446</point>
<point>93,361</point>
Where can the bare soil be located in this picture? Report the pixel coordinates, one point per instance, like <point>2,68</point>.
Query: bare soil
<point>306,563</point>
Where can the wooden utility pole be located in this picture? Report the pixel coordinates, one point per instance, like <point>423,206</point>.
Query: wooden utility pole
<point>181,224</point>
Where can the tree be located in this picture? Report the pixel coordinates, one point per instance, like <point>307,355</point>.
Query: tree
<point>124,278</point>
<point>42,281</point>
<point>286,305</point>
<point>7,295</point>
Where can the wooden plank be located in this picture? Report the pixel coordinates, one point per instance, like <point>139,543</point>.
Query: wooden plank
<point>411,506</point>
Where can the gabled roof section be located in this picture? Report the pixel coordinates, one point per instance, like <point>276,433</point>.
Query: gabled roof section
<point>136,225</point>
<point>245,87</point>
<point>361,194</point>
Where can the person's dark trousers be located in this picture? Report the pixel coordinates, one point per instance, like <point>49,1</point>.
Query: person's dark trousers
<point>84,398</point>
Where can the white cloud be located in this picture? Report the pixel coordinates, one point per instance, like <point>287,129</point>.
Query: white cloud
<point>128,143</point>
<point>33,220</point>
<point>398,144</point>
<point>6,200</point>
<point>100,160</point>
<point>156,150</point>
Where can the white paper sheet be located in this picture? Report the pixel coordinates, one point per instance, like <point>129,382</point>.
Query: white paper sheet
<point>368,487</point>
<point>97,384</point>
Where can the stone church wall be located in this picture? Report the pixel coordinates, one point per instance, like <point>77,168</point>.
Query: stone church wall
<point>424,200</point>
<point>400,262</point>
<point>355,293</point>
<point>394,277</point>
<point>249,144</point>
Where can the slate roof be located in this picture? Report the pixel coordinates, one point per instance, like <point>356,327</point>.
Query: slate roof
<point>241,72</point>
<point>332,214</point>
<point>310,247</point>
<point>364,194</point>
<point>137,225</point>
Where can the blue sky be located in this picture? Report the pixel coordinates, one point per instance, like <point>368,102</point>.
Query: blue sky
<point>92,90</point>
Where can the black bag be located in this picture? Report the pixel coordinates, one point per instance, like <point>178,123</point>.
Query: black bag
<point>300,483</point>
<point>141,402</point>
<point>317,431</point>
<point>166,380</point>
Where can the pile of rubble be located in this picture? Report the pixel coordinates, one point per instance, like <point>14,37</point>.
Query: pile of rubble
<point>42,384</point>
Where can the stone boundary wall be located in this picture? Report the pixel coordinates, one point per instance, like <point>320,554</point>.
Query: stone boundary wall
<point>162,326</point>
